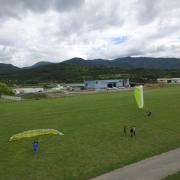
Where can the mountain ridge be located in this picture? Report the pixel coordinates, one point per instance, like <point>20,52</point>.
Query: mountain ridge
<point>127,62</point>
<point>130,62</point>
<point>5,68</point>
<point>67,72</point>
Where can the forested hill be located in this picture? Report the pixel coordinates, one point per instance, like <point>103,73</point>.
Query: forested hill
<point>72,73</point>
<point>5,68</point>
<point>127,62</point>
<point>77,70</point>
<point>130,62</point>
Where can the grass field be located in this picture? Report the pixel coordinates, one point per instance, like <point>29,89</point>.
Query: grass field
<point>93,126</point>
<point>173,177</point>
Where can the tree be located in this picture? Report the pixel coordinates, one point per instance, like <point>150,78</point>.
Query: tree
<point>4,89</point>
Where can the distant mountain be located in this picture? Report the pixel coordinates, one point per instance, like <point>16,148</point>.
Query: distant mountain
<point>147,62</point>
<point>83,69</point>
<point>139,69</point>
<point>74,73</point>
<point>126,62</point>
<point>130,62</point>
<point>40,64</point>
<point>95,62</point>
<point>5,68</point>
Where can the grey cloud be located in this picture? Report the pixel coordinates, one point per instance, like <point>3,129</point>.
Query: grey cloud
<point>14,8</point>
<point>94,17</point>
<point>165,47</point>
<point>6,42</point>
<point>61,29</point>
<point>147,10</point>
<point>36,5</point>
<point>62,5</point>
<point>5,54</point>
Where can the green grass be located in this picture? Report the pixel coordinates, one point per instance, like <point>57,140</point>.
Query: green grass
<point>35,96</point>
<point>173,177</point>
<point>93,126</point>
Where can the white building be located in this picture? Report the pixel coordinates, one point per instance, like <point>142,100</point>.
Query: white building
<point>106,84</point>
<point>28,90</point>
<point>169,80</point>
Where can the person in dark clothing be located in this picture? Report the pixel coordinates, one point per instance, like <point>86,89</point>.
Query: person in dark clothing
<point>35,146</point>
<point>125,130</point>
<point>131,132</point>
<point>149,113</point>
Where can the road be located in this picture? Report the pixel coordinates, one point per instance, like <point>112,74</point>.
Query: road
<point>153,168</point>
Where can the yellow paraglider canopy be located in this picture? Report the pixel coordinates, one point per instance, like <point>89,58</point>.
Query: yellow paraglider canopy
<point>32,133</point>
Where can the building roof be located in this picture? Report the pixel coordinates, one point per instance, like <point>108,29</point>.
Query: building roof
<point>75,85</point>
<point>168,79</point>
<point>107,79</point>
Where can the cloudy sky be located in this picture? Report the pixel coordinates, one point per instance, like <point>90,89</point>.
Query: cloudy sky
<point>56,30</point>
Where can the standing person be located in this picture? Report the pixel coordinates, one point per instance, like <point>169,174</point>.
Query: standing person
<point>134,131</point>
<point>125,130</point>
<point>35,146</point>
<point>131,132</point>
<point>149,113</point>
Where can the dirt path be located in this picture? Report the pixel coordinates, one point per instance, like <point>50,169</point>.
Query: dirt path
<point>153,168</point>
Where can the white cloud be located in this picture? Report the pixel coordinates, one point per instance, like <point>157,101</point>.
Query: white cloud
<point>56,30</point>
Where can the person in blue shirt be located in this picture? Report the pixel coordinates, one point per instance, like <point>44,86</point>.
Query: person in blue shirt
<point>35,146</point>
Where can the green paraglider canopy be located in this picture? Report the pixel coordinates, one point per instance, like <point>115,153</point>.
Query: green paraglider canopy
<point>139,96</point>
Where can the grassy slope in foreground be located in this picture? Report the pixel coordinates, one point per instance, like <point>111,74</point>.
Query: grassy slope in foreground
<point>173,177</point>
<point>93,142</point>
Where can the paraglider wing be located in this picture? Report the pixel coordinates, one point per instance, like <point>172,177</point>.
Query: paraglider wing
<point>139,96</point>
<point>32,133</point>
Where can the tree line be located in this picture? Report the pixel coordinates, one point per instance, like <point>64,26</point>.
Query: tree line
<point>69,73</point>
